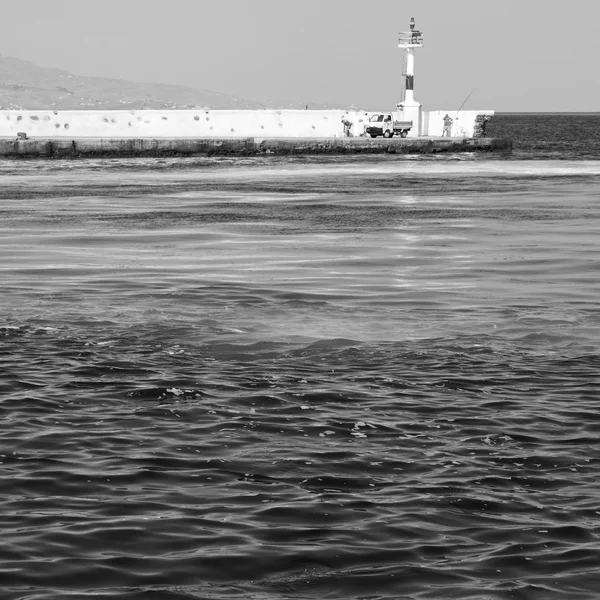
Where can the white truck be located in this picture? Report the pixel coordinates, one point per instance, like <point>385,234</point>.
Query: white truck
<point>384,124</point>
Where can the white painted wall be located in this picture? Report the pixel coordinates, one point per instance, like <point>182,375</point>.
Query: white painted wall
<point>179,123</point>
<point>462,126</point>
<point>215,123</point>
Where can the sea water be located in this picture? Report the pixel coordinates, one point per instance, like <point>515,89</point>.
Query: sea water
<point>300,378</point>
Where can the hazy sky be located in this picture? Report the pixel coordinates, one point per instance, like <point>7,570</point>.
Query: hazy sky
<point>518,55</point>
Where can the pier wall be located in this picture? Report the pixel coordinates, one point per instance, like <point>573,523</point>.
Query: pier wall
<point>135,124</point>
<point>204,123</point>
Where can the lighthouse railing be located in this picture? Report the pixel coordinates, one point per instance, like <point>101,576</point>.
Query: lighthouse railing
<point>410,38</point>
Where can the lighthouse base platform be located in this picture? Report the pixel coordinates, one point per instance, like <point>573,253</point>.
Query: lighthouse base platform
<point>165,147</point>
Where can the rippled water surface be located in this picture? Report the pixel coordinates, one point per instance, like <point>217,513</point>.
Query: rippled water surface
<point>294,378</point>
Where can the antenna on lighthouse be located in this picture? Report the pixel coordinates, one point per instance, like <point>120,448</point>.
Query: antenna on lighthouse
<point>409,40</point>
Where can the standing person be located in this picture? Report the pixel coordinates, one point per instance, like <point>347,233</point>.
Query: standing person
<point>365,122</point>
<point>447,126</point>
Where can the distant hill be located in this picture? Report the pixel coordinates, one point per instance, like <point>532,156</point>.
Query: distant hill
<point>24,85</point>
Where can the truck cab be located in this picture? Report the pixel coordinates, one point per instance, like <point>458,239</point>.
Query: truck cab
<point>385,125</point>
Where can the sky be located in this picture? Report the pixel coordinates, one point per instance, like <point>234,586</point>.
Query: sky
<point>510,55</point>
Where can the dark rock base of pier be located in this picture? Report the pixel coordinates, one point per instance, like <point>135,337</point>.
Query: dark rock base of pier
<point>164,147</point>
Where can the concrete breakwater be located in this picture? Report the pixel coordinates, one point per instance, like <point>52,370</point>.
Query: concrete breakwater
<point>74,134</point>
<point>164,147</point>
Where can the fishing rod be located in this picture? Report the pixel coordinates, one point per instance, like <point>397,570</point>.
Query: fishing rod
<point>456,115</point>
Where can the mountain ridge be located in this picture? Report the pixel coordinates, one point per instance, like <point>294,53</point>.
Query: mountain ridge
<point>27,86</point>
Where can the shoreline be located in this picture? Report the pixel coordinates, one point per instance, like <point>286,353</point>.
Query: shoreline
<point>61,148</point>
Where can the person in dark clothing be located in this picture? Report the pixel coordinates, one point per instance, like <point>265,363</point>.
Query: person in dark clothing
<point>447,126</point>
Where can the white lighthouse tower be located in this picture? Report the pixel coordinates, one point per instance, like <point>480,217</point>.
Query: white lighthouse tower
<point>411,110</point>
